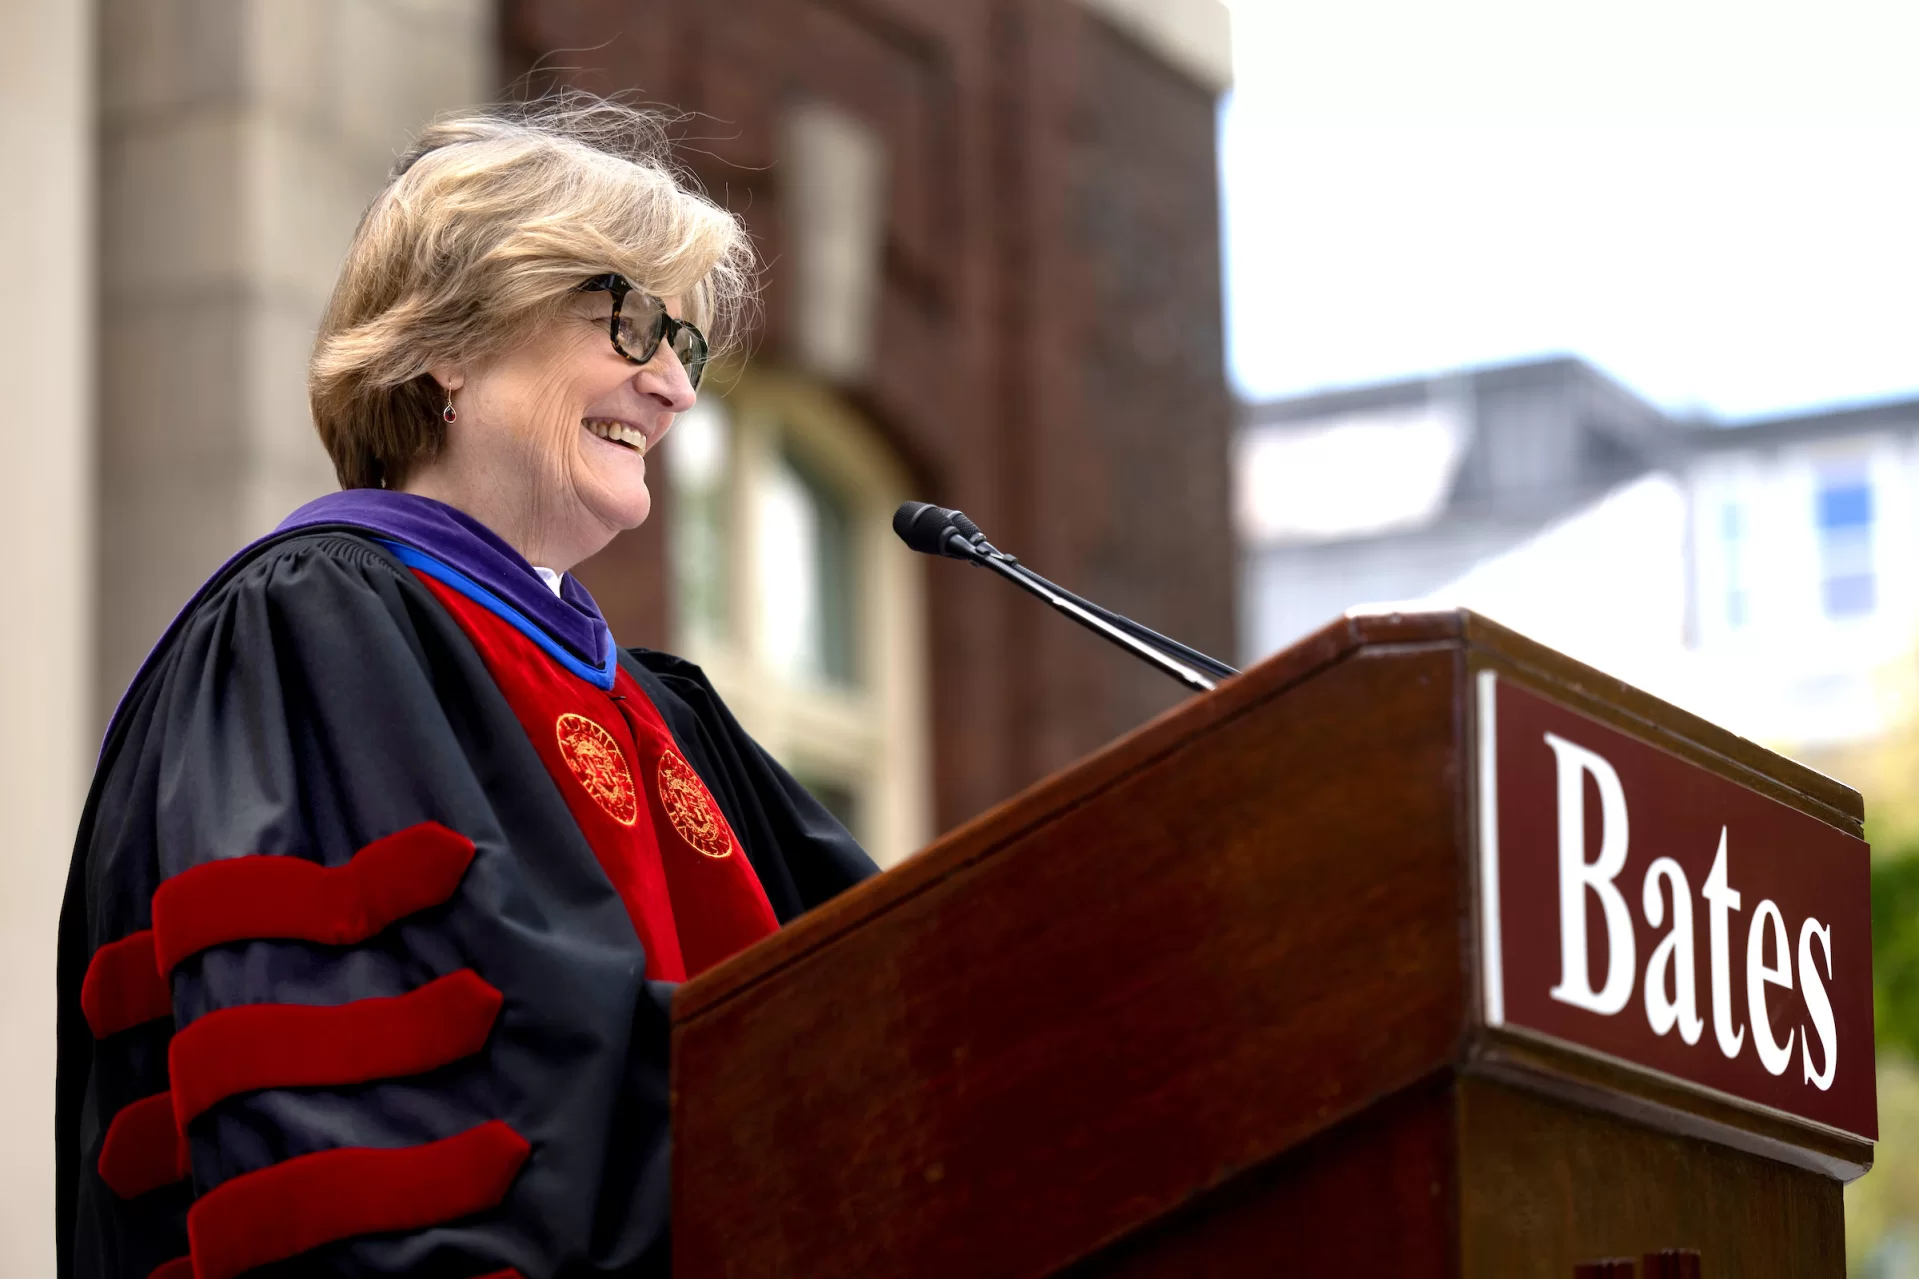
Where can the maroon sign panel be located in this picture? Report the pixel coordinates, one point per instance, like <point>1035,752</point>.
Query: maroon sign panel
<point>1637,905</point>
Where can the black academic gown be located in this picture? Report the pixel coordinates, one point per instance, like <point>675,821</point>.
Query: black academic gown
<point>312,699</point>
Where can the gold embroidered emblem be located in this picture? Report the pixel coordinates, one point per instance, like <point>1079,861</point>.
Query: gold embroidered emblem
<point>690,807</point>
<point>595,759</point>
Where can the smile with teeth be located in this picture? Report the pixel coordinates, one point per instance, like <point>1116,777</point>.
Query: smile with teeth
<point>618,432</point>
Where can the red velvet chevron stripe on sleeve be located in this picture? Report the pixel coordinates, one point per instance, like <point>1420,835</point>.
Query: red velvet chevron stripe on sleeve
<point>291,1207</point>
<point>236,1050</point>
<point>123,986</point>
<point>249,898</point>
<point>143,1149</point>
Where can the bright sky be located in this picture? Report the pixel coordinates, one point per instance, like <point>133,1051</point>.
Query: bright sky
<point>1715,201</point>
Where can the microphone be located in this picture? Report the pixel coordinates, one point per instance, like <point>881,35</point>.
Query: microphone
<point>926,528</point>
<point>935,530</point>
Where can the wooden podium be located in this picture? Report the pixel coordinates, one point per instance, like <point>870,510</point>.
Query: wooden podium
<point>1259,989</point>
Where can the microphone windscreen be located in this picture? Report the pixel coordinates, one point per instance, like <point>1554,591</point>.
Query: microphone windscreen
<point>923,526</point>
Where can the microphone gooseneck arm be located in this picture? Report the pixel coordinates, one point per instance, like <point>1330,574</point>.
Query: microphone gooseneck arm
<point>1099,625</point>
<point>1164,643</point>
<point>935,530</point>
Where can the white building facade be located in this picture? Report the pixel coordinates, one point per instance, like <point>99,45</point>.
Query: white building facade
<point>1805,553</point>
<point>1764,575</point>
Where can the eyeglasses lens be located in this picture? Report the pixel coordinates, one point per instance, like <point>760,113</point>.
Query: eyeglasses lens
<point>643,324</point>
<point>690,347</point>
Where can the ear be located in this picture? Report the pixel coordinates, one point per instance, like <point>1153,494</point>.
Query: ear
<point>450,376</point>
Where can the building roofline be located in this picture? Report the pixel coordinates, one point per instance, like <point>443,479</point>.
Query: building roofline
<point>1900,413</point>
<point>1688,434</point>
<point>1403,392</point>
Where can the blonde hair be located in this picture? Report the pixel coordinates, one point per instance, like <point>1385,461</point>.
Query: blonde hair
<point>483,229</point>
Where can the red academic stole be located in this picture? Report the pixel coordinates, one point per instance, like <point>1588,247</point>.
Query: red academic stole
<point>655,828</point>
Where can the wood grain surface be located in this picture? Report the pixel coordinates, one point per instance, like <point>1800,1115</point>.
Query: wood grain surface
<point>1219,952</point>
<point>1192,988</point>
<point>1375,1195</point>
<point>1545,1186</point>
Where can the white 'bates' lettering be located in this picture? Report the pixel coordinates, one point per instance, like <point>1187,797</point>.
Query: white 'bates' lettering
<point>1672,958</point>
<point>1577,877</point>
<point>1721,901</point>
<point>1818,1007</point>
<point>1671,1000</point>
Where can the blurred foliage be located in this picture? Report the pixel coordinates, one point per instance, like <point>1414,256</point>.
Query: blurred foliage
<point>1882,1206</point>
<point>1885,770</point>
<point>1895,949</point>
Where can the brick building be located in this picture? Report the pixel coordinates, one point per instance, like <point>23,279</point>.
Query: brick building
<point>1034,327</point>
<point>994,283</point>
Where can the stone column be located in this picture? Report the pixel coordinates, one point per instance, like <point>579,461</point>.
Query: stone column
<point>240,141</point>
<point>46,732</point>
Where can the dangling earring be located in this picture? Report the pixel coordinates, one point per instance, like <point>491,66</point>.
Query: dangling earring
<point>447,414</point>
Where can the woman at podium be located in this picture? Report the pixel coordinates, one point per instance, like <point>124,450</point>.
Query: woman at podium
<point>393,856</point>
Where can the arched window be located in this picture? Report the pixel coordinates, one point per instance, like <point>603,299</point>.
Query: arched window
<point>789,587</point>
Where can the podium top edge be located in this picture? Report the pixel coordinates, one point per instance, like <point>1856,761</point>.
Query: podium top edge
<point>1360,629</point>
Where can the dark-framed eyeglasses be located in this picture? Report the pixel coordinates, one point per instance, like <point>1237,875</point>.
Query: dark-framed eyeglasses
<point>640,323</point>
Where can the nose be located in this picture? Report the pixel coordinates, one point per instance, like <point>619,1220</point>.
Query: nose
<point>663,380</point>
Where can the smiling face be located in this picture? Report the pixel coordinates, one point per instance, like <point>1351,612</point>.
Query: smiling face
<point>548,446</point>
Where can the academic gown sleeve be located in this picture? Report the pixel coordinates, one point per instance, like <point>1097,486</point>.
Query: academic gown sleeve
<point>328,909</point>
